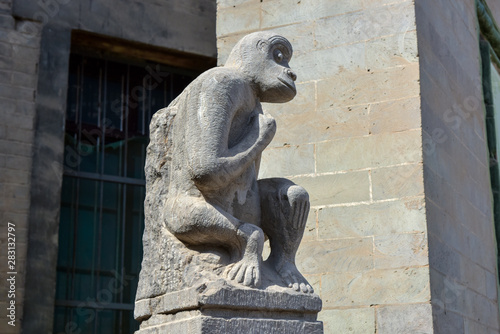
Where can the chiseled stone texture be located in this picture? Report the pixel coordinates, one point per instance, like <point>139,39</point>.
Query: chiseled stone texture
<point>217,307</point>
<point>353,138</point>
<point>412,318</point>
<point>462,246</point>
<point>349,321</point>
<point>19,54</point>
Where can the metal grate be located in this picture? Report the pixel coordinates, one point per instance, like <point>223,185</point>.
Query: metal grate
<point>109,107</point>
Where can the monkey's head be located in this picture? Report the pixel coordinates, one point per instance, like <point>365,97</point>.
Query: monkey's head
<point>263,58</point>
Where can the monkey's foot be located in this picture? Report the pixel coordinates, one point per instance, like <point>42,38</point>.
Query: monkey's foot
<point>293,278</point>
<point>246,271</point>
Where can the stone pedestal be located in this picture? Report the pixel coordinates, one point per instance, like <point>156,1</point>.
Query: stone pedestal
<point>220,307</point>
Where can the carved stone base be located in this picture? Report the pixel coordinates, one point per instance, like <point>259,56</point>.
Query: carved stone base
<point>219,307</point>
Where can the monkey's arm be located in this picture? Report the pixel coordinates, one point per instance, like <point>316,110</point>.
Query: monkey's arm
<point>213,164</point>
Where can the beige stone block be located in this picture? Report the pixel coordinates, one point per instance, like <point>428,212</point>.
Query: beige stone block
<point>337,188</point>
<point>233,20</point>
<point>233,3</point>
<point>348,321</point>
<point>327,63</point>
<point>303,102</point>
<point>376,287</point>
<point>415,318</point>
<point>225,45</point>
<point>365,25</point>
<point>274,13</point>
<point>403,216</point>
<point>312,126</point>
<point>315,282</point>
<point>287,161</point>
<point>395,116</point>
<point>370,151</point>
<point>340,255</point>
<point>363,87</point>
<point>376,3</point>
<point>310,232</point>
<point>397,182</point>
<point>301,36</point>
<point>390,51</point>
<point>401,250</point>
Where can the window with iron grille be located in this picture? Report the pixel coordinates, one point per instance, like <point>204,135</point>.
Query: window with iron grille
<point>109,106</point>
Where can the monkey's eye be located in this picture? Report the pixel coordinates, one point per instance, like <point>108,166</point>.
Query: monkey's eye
<point>278,56</point>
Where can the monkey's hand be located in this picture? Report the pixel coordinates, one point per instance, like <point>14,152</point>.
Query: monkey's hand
<point>267,128</point>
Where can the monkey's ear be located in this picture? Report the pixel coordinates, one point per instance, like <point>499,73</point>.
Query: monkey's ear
<point>263,45</point>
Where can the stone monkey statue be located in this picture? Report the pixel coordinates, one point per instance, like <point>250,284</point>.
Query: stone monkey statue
<point>203,162</point>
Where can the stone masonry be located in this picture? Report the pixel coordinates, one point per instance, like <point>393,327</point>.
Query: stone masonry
<point>35,44</point>
<point>462,246</point>
<point>357,148</point>
<point>393,149</point>
<point>19,52</point>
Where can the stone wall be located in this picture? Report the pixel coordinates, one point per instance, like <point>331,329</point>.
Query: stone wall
<point>353,138</point>
<point>35,43</point>
<point>456,168</point>
<point>19,54</point>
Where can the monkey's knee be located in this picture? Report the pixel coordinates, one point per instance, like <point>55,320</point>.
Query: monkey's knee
<point>196,222</point>
<point>182,218</point>
<point>284,204</point>
<point>293,195</point>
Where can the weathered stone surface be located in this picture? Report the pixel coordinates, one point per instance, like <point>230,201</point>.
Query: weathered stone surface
<point>295,160</point>
<point>233,19</point>
<point>397,182</point>
<point>325,63</point>
<point>392,83</point>
<point>339,255</point>
<point>365,25</point>
<point>304,11</point>
<point>219,294</point>
<point>206,214</point>
<point>415,318</point>
<point>369,151</point>
<point>310,126</point>
<point>395,116</point>
<point>349,321</point>
<point>337,188</point>
<point>390,51</point>
<point>385,286</point>
<point>371,219</point>
<point>197,323</point>
<point>401,250</point>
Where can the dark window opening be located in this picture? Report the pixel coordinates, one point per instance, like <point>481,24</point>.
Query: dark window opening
<point>109,108</point>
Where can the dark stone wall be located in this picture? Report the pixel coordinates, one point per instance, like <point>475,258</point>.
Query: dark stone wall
<point>462,245</point>
<point>185,25</point>
<point>19,57</point>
